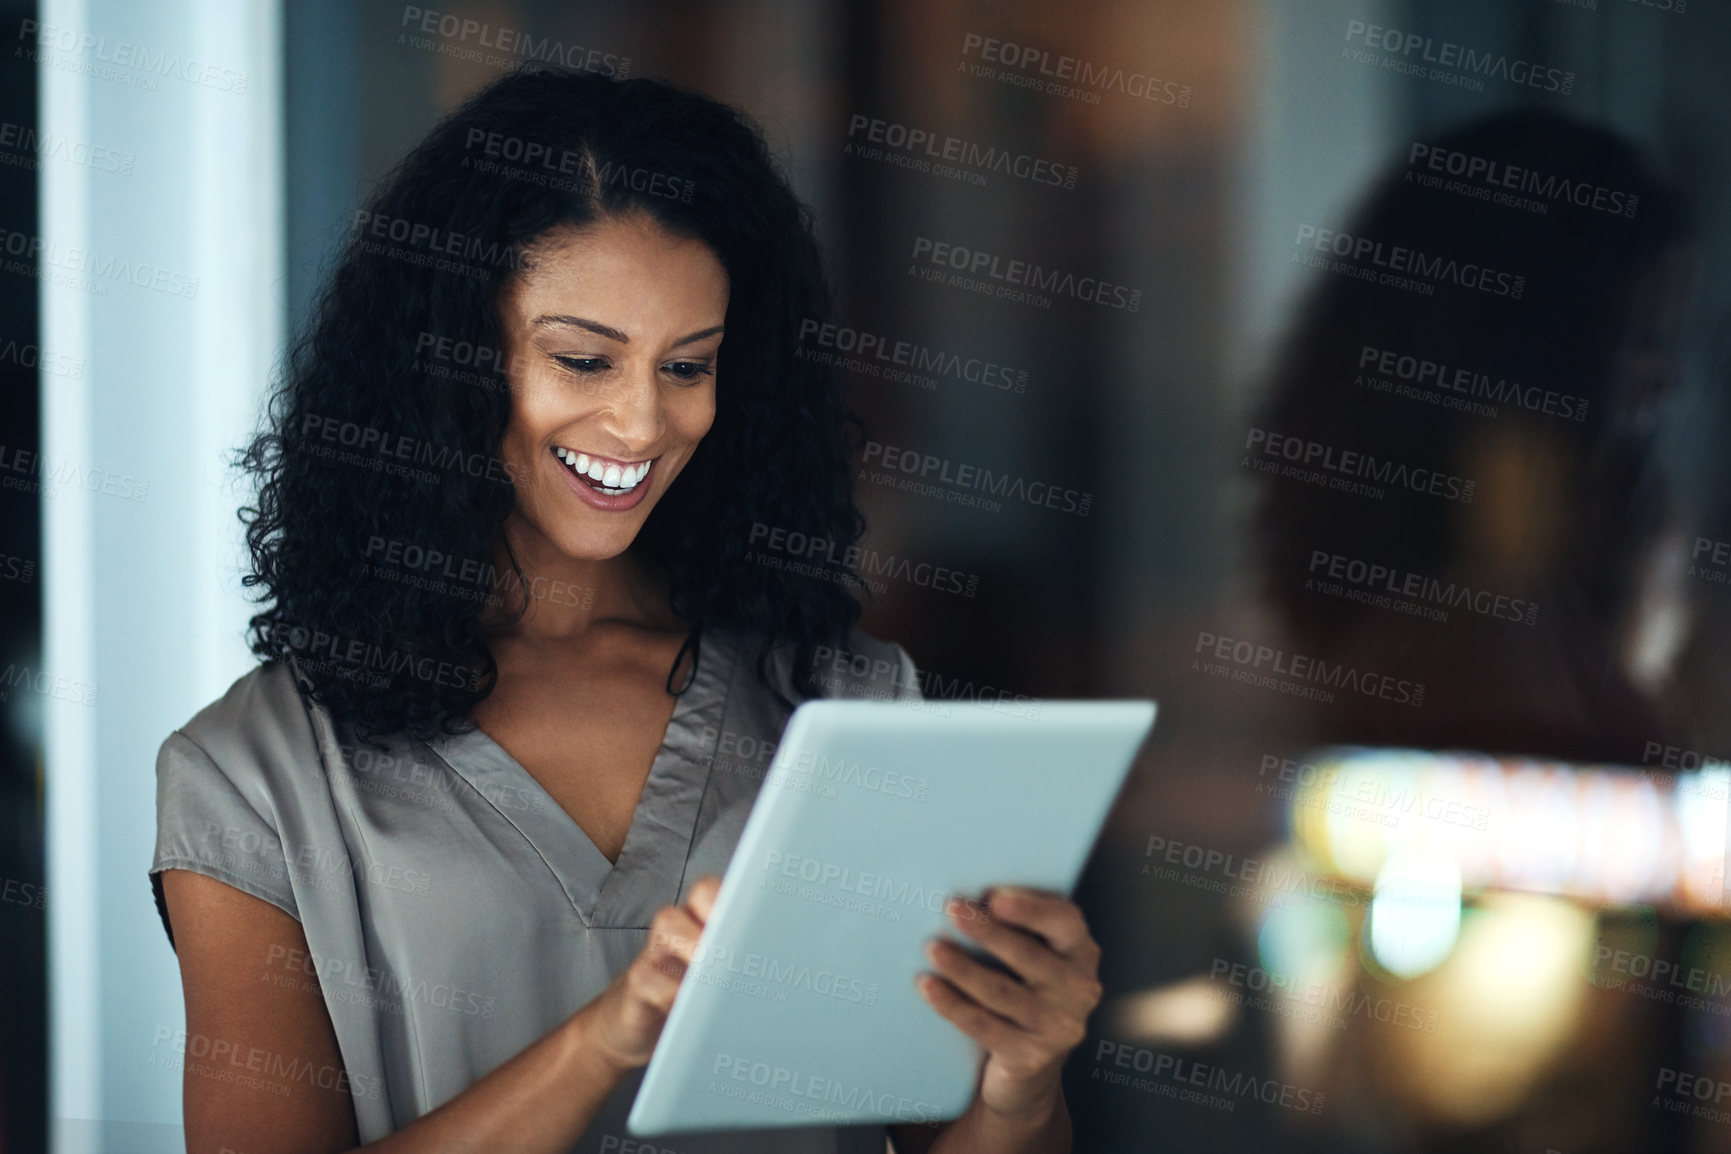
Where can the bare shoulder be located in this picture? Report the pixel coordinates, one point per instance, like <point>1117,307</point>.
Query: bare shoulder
<point>262,1071</point>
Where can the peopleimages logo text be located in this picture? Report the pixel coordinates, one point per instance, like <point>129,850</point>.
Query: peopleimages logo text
<point>862,560</point>
<point>985,158</point>
<point>122,54</point>
<point>1514,178</point>
<point>795,1091</point>
<point>1471,384</point>
<point>1413,263</point>
<point>916,357</point>
<point>1312,670</point>
<point>1309,454</point>
<point>1100,77</point>
<point>977,262</point>
<point>1385,585</point>
<point>461,31</point>
<point>1446,54</point>
<point>1189,1072</point>
<point>964,477</point>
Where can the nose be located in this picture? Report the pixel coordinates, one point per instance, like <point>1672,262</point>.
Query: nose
<point>631,408</point>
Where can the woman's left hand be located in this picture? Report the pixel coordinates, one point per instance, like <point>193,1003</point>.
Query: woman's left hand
<point>1027,1027</point>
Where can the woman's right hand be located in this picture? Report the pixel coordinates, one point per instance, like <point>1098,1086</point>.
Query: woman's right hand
<point>625,1019</point>
<point>235,995</point>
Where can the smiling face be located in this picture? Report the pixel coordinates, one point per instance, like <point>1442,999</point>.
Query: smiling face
<point>611,335</point>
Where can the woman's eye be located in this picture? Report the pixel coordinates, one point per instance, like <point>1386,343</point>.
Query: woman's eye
<point>689,370</point>
<point>583,364</point>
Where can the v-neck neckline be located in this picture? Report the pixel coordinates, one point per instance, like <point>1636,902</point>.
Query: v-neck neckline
<point>651,865</point>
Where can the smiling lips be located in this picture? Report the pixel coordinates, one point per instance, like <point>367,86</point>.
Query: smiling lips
<point>613,478</point>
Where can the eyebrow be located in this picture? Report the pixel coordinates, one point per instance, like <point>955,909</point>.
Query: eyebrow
<point>612,333</point>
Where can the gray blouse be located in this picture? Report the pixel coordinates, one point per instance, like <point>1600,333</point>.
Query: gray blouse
<point>454,913</point>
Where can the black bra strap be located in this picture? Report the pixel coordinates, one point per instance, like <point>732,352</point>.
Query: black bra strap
<point>694,643</point>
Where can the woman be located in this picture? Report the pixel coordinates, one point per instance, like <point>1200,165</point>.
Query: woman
<point>434,870</point>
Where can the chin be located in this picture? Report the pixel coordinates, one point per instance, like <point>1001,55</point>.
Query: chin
<point>597,546</point>
<point>590,548</point>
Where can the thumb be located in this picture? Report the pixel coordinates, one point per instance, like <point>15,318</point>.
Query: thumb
<point>701,899</point>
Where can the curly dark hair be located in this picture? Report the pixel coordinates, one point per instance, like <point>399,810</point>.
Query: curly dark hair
<point>385,429</point>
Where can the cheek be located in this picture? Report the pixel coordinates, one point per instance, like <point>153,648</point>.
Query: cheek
<point>694,414</point>
<point>541,402</point>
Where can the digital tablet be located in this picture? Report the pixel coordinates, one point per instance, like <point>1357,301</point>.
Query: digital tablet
<point>799,1008</point>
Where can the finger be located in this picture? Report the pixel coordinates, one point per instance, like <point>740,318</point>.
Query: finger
<point>655,974</point>
<point>968,1016</point>
<point>997,992</point>
<point>1033,960</point>
<point>700,900</point>
<point>673,933</point>
<point>655,978</point>
<point>1069,984</point>
<point>1053,917</point>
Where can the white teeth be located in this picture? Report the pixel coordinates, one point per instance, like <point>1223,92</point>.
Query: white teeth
<point>611,479</point>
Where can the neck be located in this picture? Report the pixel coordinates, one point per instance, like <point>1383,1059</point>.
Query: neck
<point>562,597</point>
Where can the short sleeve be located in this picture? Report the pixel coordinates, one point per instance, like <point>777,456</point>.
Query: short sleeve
<point>907,677</point>
<point>870,669</point>
<point>206,824</point>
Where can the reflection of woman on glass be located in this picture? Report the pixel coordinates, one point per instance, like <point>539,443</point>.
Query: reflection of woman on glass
<point>435,868</point>
<point>1527,607</point>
